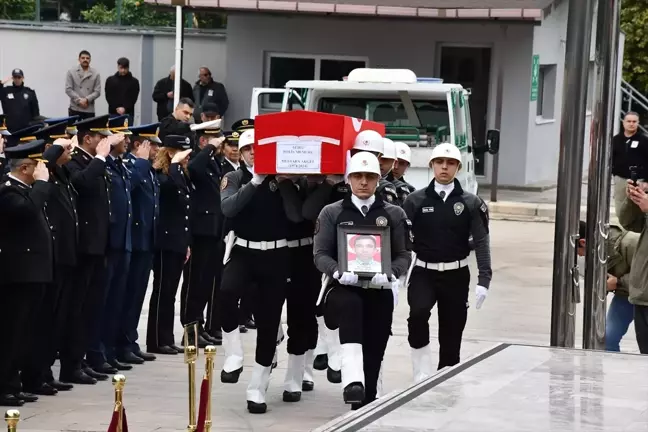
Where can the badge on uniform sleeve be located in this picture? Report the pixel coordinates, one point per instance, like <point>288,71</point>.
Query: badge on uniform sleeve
<point>484,207</point>
<point>223,183</point>
<point>458,208</point>
<point>381,221</point>
<point>317,226</point>
<point>409,230</point>
<point>273,186</point>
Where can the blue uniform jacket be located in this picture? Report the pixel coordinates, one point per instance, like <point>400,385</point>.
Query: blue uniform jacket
<point>121,210</point>
<point>145,194</point>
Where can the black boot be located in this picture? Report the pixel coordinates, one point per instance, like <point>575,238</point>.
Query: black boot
<point>231,377</point>
<point>354,393</point>
<point>333,376</point>
<point>321,362</point>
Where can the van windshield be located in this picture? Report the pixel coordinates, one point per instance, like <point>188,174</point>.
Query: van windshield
<point>432,115</point>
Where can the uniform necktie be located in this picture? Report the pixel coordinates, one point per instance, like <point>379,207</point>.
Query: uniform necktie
<point>442,194</point>
<point>364,209</point>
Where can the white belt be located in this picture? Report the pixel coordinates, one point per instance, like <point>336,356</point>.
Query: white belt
<point>301,242</point>
<point>262,245</point>
<point>442,266</point>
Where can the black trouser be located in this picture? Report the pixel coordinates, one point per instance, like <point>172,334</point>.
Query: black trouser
<point>21,305</point>
<point>246,304</point>
<point>200,272</point>
<point>364,317</point>
<point>167,270</point>
<point>50,321</point>
<point>301,297</point>
<point>83,301</point>
<point>213,323</point>
<point>139,273</point>
<point>641,327</point>
<point>269,271</point>
<point>82,115</point>
<point>450,290</point>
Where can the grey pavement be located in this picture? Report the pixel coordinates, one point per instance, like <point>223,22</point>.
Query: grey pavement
<point>547,196</point>
<point>517,310</point>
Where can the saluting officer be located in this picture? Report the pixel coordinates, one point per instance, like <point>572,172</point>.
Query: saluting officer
<point>22,136</point>
<point>257,212</point>
<point>444,217</point>
<point>106,330</point>
<point>172,241</point>
<point>70,128</point>
<point>362,309</point>
<point>230,159</point>
<point>145,199</point>
<point>201,281</point>
<point>91,180</point>
<point>26,261</point>
<point>53,314</point>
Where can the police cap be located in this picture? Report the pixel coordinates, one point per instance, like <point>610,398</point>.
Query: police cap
<point>3,125</point>
<point>69,121</point>
<point>243,124</point>
<point>23,135</point>
<point>231,137</point>
<point>119,124</point>
<point>149,131</point>
<point>52,132</point>
<point>179,142</point>
<point>29,150</point>
<point>207,128</point>
<point>94,125</point>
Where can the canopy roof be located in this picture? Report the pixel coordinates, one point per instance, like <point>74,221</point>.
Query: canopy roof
<point>475,9</point>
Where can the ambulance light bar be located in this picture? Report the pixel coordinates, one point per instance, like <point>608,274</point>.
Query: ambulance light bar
<point>430,80</point>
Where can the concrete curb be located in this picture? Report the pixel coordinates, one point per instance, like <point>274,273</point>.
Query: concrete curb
<point>530,212</point>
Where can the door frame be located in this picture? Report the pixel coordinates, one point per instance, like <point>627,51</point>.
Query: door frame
<point>492,89</point>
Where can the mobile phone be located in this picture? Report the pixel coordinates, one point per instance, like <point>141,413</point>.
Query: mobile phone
<point>634,175</point>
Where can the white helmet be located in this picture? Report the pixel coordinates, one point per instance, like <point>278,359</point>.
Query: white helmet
<point>364,162</point>
<point>446,150</point>
<point>403,151</point>
<point>246,139</point>
<point>389,149</point>
<point>370,141</point>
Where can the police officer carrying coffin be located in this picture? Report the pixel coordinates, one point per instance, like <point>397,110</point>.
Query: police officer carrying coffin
<point>444,217</point>
<point>172,242</point>
<point>388,162</point>
<point>258,216</point>
<point>361,308</point>
<point>92,182</point>
<point>201,282</point>
<point>403,159</point>
<point>53,315</point>
<point>26,260</point>
<point>373,142</point>
<point>145,198</point>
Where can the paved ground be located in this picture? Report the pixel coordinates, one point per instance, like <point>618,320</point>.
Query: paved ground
<point>518,310</point>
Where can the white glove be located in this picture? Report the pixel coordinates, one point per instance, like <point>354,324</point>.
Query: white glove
<point>480,295</point>
<point>257,179</point>
<point>347,278</point>
<point>395,286</point>
<point>380,279</point>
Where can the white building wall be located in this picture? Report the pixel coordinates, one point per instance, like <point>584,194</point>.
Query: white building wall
<point>53,50</point>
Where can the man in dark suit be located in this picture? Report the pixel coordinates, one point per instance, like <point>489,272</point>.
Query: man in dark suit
<point>52,316</point>
<point>90,179</point>
<point>163,93</point>
<point>104,332</point>
<point>26,261</point>
<point>201,281</point>
<point>145,195</point>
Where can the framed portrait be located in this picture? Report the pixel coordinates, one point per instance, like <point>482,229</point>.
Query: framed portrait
<point>364,250</point>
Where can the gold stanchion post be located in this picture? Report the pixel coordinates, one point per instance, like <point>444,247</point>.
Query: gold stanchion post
<point>12,417</point>
<point>191,353</point>
<point>210,353</point>
<point>119,381</point>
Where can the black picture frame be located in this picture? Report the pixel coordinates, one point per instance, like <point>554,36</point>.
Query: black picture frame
<point>343,233</point>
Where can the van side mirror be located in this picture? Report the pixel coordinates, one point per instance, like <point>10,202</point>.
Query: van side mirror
<point>493,141</point>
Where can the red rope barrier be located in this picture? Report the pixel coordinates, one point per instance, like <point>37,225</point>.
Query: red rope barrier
<point>114,421</point>
<point>202,407</point>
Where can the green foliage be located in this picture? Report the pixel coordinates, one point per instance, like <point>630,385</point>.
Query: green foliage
<point>133,13</point>
<point>24,10</point>
<point>634,23</point>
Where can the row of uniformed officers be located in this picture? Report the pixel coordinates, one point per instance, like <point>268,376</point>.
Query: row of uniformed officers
<point>240,231</point>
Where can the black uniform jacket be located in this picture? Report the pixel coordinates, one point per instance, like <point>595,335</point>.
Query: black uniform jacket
<point>205,174</point>
<point>175,210</point>
<point>62,209</point>
<point>92,182</point>
<point>26,251</point>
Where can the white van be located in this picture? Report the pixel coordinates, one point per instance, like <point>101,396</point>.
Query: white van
<point>422,112</point>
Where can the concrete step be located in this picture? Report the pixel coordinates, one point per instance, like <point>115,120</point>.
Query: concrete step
<point>531,212</point>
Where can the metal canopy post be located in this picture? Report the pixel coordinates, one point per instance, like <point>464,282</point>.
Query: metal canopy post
<point>179,36</point>
<point>565,288</point>
<point>598,187</point>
